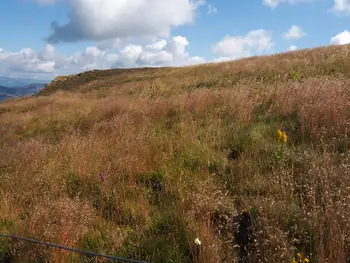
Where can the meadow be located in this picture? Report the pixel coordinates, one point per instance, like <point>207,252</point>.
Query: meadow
<point>250,156</point>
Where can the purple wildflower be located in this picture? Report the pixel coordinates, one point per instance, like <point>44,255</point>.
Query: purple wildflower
<point>102,177</point>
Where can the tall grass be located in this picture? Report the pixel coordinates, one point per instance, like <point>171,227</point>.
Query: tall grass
<point>185,153</point>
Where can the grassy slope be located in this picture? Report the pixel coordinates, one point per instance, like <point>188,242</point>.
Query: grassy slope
<point>184,151</point>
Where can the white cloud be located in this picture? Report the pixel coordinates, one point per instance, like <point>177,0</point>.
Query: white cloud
<point>224,59</point>
<point>47,67</point>
<point>128,55</point>
<point>27,53</point>
<point>341,6</point>
<point>49,62</point>
<point>158,45</point>
<point>111,19</point>
<point>85,59</point>
<point>25,60</point>
<point>292,48</point>
<point>49,53</point>
<point>341,39</point>
<point>178,46</point>
<point>155,58</point>
<point>110,44</point>
<point>94,52</point>
<point>274,3</point>
<point>212,9</point>
<point>233,47</point>
<point>162,52</point>
<point>196,60</point>
<point>295,32</point>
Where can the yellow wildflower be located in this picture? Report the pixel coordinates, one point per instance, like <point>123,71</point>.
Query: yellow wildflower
<point>299,255</point>
<point>279,134</point>
<point>294,261</point>
<point>284,137</point>
<point>306,260</point>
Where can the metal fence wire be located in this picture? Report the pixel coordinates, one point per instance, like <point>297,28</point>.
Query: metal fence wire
<point>93,254</point>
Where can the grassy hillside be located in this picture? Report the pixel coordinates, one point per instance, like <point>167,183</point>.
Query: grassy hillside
<point>139,163</point>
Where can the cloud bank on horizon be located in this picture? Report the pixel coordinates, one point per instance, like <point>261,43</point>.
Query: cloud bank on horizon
<point>140,33</point>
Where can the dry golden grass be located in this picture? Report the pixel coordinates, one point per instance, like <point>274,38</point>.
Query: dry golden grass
<point>186,152</point>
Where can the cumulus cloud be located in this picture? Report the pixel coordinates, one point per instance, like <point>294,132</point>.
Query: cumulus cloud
<point>341,6</point>
<point>87,59</point>
<point>109,19</point>
<point>49,53</point>
<point>49,62</point>
<point>26,60</point>
<point>295,32</point>
<point>233,47</point>
<point>274,3</point>
<point>162,52</point>
<point>341,39</point>
<point>115,43</point>
<point>158,45</point>
<point>292,48</point>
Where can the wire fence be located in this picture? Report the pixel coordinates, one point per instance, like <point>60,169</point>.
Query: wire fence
<point>93,254</point>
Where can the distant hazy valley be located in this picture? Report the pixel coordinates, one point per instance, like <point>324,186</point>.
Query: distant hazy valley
<point>12,88</point>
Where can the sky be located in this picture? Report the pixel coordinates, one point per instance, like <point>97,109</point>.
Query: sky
<point>43,39</point>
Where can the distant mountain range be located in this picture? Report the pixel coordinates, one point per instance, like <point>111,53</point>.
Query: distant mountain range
<point>20,82</point>
<point>20,91</point>
<point>19,87</point>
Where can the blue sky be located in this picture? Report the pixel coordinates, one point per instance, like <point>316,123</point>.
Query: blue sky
<point>46,38</point>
